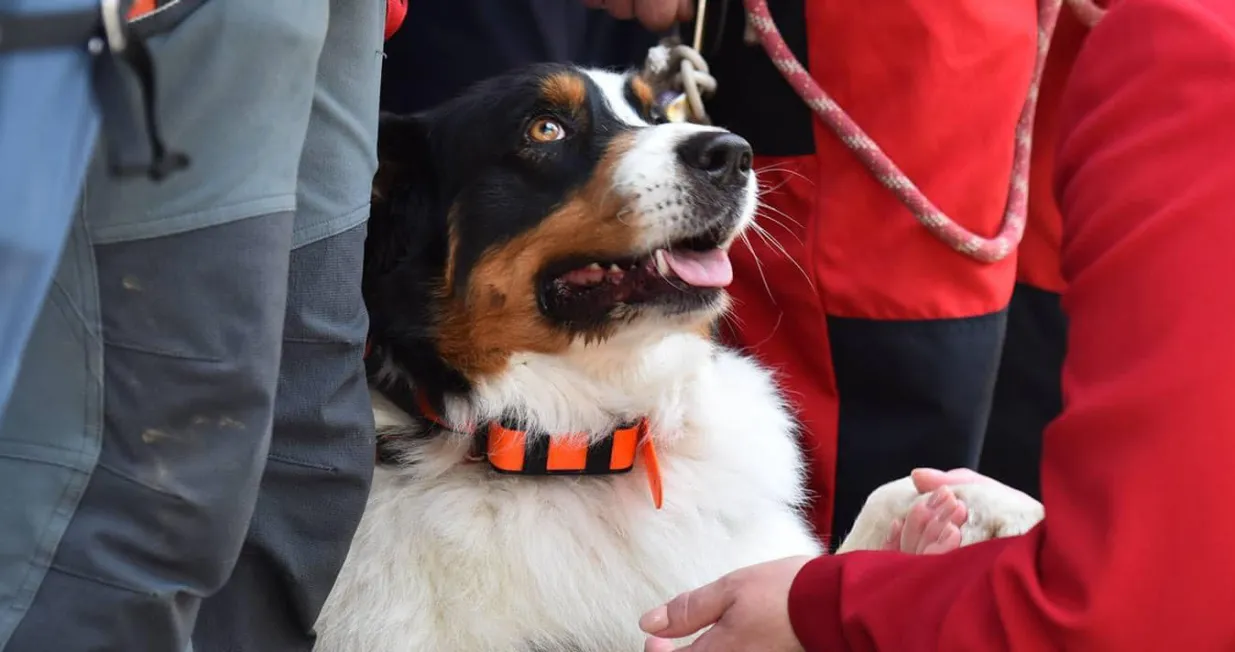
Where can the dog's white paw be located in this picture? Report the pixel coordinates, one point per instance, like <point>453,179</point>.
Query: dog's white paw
<point>995,510</point>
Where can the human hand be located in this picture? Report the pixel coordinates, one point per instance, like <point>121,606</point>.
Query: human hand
<point>748,610</point>
<point>928,480</point>
<point>656,15</point>
<point>933,527</point>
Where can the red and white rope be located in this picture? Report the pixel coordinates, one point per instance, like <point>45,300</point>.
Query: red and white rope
<point>988,250</point>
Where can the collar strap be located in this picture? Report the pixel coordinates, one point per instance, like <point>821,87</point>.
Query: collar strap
<point>511,451</point>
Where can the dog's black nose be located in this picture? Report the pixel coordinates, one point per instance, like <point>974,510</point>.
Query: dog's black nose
<point>724,156</point>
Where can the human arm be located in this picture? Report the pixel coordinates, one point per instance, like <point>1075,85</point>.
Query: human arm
<point>1134,551</point>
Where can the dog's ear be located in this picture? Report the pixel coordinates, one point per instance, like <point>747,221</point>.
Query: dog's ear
<point>405,251</point>
<point>405,218</point>
<point>404,158</point>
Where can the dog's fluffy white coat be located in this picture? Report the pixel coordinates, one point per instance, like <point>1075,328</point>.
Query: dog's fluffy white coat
<point>450,556</point>
<point>453,557</point>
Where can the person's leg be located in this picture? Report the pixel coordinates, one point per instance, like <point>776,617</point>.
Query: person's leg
<point>50,434</point>
<point>192,280</point>
<point>1028,392</point>
<point>48,124</point>
<point>321,457</point>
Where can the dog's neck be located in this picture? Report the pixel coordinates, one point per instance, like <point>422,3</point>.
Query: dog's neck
<point>590,388</point>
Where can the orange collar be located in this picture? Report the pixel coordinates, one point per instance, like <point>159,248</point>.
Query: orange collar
<point>511,451</point>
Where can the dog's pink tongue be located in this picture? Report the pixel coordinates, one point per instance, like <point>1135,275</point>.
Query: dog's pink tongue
<point>704,269</point>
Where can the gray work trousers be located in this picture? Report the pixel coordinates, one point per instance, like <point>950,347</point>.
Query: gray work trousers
<point>189,443</point>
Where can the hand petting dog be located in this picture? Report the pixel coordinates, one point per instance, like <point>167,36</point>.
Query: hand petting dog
<point>655,15</point>
<point>747,609</point>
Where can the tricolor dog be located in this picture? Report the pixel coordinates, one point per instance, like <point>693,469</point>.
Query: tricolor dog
<point>564,446</point>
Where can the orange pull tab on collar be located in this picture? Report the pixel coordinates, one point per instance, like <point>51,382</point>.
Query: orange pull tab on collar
<point>427,410</point>
<point>652,464</point>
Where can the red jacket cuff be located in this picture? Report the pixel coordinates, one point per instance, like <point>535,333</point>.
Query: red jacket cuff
<point>814,606</point>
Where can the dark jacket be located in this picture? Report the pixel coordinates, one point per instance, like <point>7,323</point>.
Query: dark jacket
<point>445,45</point>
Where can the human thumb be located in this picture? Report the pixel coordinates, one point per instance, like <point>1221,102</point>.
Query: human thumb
<point>928,480</point>
<point>689,612</point>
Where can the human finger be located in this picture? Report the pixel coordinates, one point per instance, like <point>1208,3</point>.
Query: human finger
<point>655,644</point>
<point>621,9</point>
<point>689,612</point>
<point>686,10</point>
<point>893,540</point>
<point>656,15</point>
<point>928,480</point>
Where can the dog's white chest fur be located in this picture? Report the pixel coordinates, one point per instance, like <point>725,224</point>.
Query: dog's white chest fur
<point>453,557</point>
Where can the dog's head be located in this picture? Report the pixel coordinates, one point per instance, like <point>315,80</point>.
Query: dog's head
<point>543,210</point>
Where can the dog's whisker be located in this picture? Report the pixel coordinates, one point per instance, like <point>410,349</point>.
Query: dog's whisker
<point>783,214</point>
<point>775,244</point>
<point>733,318</point>
<point>780,316</point>
<point>793,234</point>
<point>781,169</point>
<point>758,265</point>
<point>768,189</point>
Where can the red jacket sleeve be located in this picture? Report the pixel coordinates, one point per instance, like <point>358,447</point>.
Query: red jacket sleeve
<point>1138,473</point>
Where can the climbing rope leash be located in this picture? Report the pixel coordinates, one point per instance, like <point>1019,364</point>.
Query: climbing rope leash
<point>695,81</point>
<point>986,250</point>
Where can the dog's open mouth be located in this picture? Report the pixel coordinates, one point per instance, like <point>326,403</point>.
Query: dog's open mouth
<point>688,275</point>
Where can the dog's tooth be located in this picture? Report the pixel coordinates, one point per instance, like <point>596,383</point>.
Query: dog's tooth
<point>615,269</point>
<point>594,267</point>
<point>662,265</point>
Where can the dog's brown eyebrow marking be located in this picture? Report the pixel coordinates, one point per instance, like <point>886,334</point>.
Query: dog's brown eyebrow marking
<point>642,91</point>
<point>565,90</point>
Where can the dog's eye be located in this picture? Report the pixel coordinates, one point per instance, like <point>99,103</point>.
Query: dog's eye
<point>546,130</point>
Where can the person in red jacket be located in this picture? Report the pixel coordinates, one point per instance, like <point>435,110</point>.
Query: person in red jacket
<point>1134,552</point>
